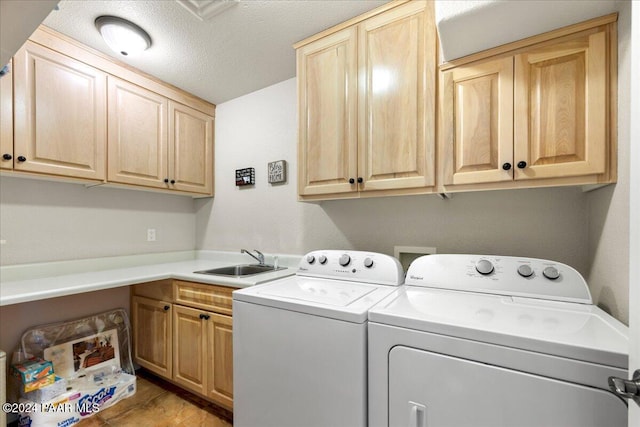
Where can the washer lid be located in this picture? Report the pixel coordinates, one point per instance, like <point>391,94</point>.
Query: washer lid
<point>337,299</point>
<point>577,331</point>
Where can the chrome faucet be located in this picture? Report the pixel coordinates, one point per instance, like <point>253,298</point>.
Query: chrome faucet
<point>259,257</point>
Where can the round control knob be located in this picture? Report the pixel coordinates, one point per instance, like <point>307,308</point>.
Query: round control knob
<point>368,262</point>
<point>551,273</point>
<point>311,259</point>
<point>344,260</point>
<point>525,270</point>
<point>484,266</point>
<point>322,259</point>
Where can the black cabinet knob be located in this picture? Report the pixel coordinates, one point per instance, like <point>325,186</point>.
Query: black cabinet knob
<point>166,180</point>
<point>204,317</point>
<point>22,159</point>
<point>201,316</point>
<point>7,157</point>
<point>506,166</point>
<point>173,181</point>
<point>360,180</point>
<point>522,164</point>
<point>352,181</point>
<point>166,307</point>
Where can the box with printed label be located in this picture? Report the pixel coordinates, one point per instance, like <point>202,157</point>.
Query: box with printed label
<point>33,369</point>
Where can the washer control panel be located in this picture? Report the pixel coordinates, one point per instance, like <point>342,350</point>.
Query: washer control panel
<point>358,266</point>
<point>503,275</point>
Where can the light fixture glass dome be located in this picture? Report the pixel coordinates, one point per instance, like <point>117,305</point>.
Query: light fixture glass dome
<point>122,36</point>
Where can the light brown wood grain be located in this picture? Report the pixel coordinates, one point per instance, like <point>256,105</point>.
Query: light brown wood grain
<point>220,359</point>
<point>6,118</point>
<point>189,348</point>
<point>208,297</point>
<point>60,114</point>
<point>152,334</point>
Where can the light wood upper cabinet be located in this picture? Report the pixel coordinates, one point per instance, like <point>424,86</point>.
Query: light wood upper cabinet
<point>561,108</point>
<point>396,135</point>
<point>190,149</point>
<point>538,116</point>
<point>157,142</point>
<point>6,120</point>
<point>60,114</point>
<point>366,99</point>
<point>480,97</point>
<point>138,143</point>
<point>152,334</point>
<point>327,87</point>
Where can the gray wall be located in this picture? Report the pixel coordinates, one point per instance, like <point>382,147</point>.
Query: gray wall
<point>51,221</point>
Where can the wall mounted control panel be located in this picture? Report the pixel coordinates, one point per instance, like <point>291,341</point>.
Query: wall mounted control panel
<point>503,275</point>
<point>370,267</point>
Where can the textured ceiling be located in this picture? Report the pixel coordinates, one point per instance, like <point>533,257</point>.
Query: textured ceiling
<point>243,49</point>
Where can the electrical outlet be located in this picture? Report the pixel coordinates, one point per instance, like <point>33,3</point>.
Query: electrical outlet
<point>151,234</point>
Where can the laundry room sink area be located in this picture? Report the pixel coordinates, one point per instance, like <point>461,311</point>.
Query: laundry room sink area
<point>241,270</point>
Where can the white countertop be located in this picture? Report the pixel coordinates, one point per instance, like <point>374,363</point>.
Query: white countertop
<point>33,282</point>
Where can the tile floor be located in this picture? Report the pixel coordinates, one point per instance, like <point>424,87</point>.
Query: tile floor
<point>159,403</point>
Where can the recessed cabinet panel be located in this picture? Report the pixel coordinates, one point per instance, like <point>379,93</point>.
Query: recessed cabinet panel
<point>189,348</point>
<point>152,334</point>
<point>191,148</point>
<point>6,120</point>
<point>396,134</point>
<point>561,94</point>
<point>483,125</point>
<point>220,360</point>
<point>137,135</point>
<point>327,78</point>
<point>60,114</point>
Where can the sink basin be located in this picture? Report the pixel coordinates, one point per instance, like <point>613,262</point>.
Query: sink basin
<point>240,270</point>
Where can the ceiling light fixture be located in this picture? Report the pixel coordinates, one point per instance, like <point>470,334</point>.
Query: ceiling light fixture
<point>122,36</point>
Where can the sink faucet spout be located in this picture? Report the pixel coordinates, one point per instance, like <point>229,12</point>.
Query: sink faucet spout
<point>259,257</point>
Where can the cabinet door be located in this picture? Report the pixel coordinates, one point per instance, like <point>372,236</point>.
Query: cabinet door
<point>397,66</point>
<point>327,148</point>
<point>189,345</point>
<point>477,123</point>
<point>6,120</point>
<point>220,359</point>
<point>137,135</point>
<point>561,108</point>
<point>152,335</point>
<point>190,149</point>
<point>60,114</point>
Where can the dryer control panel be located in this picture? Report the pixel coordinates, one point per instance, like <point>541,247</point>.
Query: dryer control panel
<point>502,275</point>
<point>358,266</point>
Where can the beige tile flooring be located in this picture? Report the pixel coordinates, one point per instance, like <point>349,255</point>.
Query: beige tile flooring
<point>159,403</point>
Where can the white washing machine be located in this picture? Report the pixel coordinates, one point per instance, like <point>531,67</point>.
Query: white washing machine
<point>300,343</point>
<point>494,341</point>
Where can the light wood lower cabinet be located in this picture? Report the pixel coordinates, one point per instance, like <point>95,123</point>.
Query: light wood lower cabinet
<point>152,332</point>
<point>188,340</point>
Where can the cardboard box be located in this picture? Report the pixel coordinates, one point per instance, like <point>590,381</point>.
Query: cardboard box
<point>33,369</point>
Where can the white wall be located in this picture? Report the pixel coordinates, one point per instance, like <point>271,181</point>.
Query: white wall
<point>261,127</point>
<point>608,208</point>
<point>51,221</point>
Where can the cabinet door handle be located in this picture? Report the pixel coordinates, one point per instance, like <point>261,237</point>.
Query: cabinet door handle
<point>506,166</point>
<point>166,180</point>
<point>522,164</point>
<point>352,181</point>
<point>206,317</point>
<point>7,156</point>
<point>360,180</point>
<point>22,159</point>
<point>166,307</point>
<point>173,181</point>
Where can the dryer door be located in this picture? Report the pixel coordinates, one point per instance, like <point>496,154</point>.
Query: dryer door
<point>433,390</point>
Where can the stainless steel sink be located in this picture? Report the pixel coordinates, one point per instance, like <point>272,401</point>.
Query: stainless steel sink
<point>241,270</point>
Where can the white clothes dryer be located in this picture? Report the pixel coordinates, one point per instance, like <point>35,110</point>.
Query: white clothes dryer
<point>494,341</point>
<point>300,343</point>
